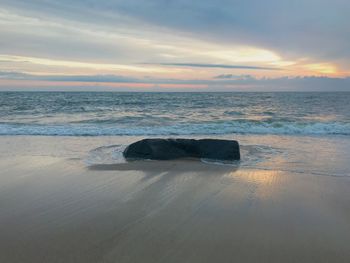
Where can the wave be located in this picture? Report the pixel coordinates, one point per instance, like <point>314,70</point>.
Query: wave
<point>212,128</point>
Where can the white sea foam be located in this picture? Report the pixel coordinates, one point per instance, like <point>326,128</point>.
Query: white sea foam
<point>111,154</point>
<point>241,127</point>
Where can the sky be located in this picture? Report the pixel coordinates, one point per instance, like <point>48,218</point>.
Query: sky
<point>166,45</point>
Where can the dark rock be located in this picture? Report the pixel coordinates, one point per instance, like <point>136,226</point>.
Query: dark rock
<point>167,149</point>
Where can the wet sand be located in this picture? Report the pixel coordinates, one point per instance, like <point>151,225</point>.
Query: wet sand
<point>56,209</point>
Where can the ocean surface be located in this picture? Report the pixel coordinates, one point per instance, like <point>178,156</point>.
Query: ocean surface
<point>163,114</point>
<point>296,132</point>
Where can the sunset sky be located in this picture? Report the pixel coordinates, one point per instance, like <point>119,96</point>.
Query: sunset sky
<point>175,45</point>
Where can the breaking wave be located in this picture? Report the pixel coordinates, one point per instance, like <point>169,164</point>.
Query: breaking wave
<point>216,128</point>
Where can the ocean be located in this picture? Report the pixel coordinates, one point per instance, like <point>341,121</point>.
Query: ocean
<point>307,133</point>
<point>167,114</point>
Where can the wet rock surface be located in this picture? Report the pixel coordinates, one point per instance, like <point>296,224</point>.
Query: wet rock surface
<point>168,149</point>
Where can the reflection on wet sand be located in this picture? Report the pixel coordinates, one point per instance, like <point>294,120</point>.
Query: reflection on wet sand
<point>54,208</point>
<point>173,211</point>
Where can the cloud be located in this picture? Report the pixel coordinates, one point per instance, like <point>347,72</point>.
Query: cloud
<point>68,78</point>
<point>223,82</point>
<point>224,66</point>
<point>185,38</point>
<point>237,77</point>
<point>312,28</point>
<point>300,28</point>
<point>14,75</point>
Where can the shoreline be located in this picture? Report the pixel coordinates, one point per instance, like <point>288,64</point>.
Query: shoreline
<point>56,209</point>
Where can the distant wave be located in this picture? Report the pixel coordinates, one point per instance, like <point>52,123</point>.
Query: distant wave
<point>211,128</point>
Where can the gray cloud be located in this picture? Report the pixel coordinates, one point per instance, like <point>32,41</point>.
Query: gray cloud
<point>69,78</point>
<point>129,32</point>
<point>315,28</point>
<point>232,76</point>
<point>224,82</point>
<point>302,27</point>
<point>201,65</point>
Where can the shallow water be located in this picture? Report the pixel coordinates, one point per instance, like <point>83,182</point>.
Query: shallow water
<point>314,155</point>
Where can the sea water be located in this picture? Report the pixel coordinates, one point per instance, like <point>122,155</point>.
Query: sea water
<point>297,132</point>
<point>143,114</point>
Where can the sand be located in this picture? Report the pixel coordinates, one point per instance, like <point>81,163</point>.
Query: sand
<point>54,208</point>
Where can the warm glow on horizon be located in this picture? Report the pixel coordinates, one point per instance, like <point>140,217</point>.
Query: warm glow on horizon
<point>110,46</point>
<point>245,55</point>
<point>84,65</point>
<point>322,68</point>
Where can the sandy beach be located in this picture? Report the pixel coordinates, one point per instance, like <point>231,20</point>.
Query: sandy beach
<point>158,131</point>
<point>55,208</point>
